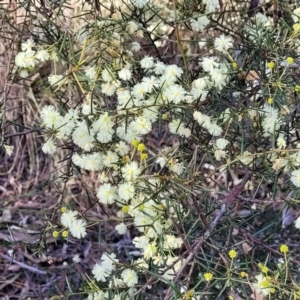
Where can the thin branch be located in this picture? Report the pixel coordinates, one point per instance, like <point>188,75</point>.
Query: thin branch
<point>24,266</point>
<point>20,133</point>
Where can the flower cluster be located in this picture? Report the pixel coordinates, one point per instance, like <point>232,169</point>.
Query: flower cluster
<point>29,57</point>
<point>104,269</point>
<point>77,226</point>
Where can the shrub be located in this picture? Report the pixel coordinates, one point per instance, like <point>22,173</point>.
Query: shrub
<point>193,151</point>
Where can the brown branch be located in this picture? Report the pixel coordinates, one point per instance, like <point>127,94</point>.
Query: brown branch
<point>197,245</point>
<point>20,133</point>
<point>269,248</point>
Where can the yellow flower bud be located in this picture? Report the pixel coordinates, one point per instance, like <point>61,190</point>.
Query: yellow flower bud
<point>296,27</point>
<point>65,233</point>
<point>284,248</point>
<point>135,143</point>
<point>208,276</point>
<point>144,156</point>
<point>271,64</point>
<point>141,147</point>
<point>289,60</point>
<point>232,254</point>
<point>55,234</point>
<point>63,209</point>
<point>125,208</point>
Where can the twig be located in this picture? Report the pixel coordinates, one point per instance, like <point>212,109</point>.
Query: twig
<point>24,266</point>
<point>6,90</point>
<point>268,247</point>
<point>179,40</point>
<point>20,133</point>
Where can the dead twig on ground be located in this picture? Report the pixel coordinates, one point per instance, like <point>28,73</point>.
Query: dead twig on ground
<point>24,266</point>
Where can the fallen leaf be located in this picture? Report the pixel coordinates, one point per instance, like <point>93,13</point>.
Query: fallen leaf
<point>235,231</point>
<point>252,75</point>
<point>246,247</point>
